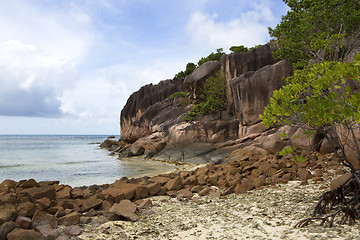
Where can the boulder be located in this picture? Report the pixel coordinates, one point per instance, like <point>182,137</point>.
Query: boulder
<point>69,219</point>
<point>174,184</point>
<point>29,184</point>
<point>252,90</point>
<point>195,80</point>
<point>24,222</point>
<point>91,203</point>
<point>26,209</point>
<point>153,188</point>
<point>48,232</point>
<point>42,218</point>
<point>40,192</point>
<point>125,209</point>
<point>7,213</point>
<point>73,230</point>
<point>336,182</point>
<point>21,234</point>
<point>7,186</point>
<point>6,228</point>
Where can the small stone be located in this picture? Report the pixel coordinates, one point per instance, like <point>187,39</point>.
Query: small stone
<point>73,230</point>
<point>70,219</point>
<point>174,184</point>
<point>22,234</point>
<point>24,222</point>
<point>43,218</point>
<point>6,228</point>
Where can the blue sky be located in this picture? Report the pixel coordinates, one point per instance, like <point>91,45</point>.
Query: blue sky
<point>69,66</point>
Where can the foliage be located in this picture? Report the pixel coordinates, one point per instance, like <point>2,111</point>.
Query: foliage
<point>190,67</point>
<point>177,95</point>
<point>321,98</point>
<point>214,97</point>
<point>239,49</point>
<point>212,56</point>
<point>317,29</point>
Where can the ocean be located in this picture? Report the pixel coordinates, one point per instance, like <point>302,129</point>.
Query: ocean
<point>73,160</point>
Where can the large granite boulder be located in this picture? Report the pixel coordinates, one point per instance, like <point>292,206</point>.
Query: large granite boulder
<point>251,91</point>
<point>195,80</point>
<point>139,102</point>
<point>236,64</point>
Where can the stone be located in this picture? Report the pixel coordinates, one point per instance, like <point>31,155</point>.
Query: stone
<point>141,192</point>
<point>174,184</point>
<point>24,222</point>
<point>125,209</point>
<point>145,204</point>
<point>116,193</point>
<point>45,203</point>
<point>259,181</point>
<point>6,228</point>
<point>40,192</point>
<point>7,186</point>
<point>336,182</point>
<point>183,193</point>
<point>7,213</point>
<point>153,188</point>
<point>91,203</point>
<point>205,191</point>
<point>73,230</point>
<point>22,234</point>
<point>304,174</point>
<point>42,218</point>
<point>244,186</point>
<point>29,184</point>
<point>160,179</point>
<point>64,193</point>
<point>69,219</point>
<point>48,232</point>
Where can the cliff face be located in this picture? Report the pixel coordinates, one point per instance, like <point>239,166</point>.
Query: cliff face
<point>151,123</point>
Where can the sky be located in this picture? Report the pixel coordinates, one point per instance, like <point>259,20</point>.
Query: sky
<point>69,66</point>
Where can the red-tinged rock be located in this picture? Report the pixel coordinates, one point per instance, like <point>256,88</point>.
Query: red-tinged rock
<point>336,182</point>
<point>115,193</point>
<point>145,204</point>
<point>259,181</point>
<point>160,179</point>
<point>29,184</point>
<point>286,177</point>
<point>45,203</point>
<point>73,230</point>
<point>24,222</point>
<point>7,186</point>
<point>141,192</point>
<point>256,172</point>
<point>64,193</point>
<point>121,181</point>
<point>202,179</point>
<point>7,213</point>
<point>125,209</point>
<point>128,189</point>
<point>304,174</point>
<point>153,188</point>
<point>183,193</point>
<point>228,191</point>
<point>244,186</point>
<point>91,203</point>
<point>42,218</point>
<point>54,210</point>
<point>69,219</point>
<point>22,234</point>
<point>40,192</point>
<point>174,184</point>
<point>205,191</point>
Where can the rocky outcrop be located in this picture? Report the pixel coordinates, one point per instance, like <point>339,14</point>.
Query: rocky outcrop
<point>251,91</point>
<point>195,80</point>
<point>236,64</point>
<point>140,101</point>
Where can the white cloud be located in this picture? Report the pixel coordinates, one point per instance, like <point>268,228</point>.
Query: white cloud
<point>249,29</point>
<point>31,81</point>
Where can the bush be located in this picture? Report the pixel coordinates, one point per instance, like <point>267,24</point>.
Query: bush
<point>177,95</point>
<point>212,56</point>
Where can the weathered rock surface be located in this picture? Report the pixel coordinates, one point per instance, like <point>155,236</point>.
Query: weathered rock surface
<point>251,91</point>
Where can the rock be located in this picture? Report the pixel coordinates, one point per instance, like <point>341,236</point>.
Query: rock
<point>153,188</point>
<point>251,91</point>
<point>205,191</point>
<point>22,234</point>
<point>195,80</point>
<point>7,213</point>
<point>117,194</point>
<point>24,222</point>
<point>141,192</point>
<point>91,203</point>
<point>137,150</point>
<point>139,102</point>
<point>259,181</point>
<point>6,228</point>
<point>29,184</point>
<point>244,186</point>
<point>162,180</point>
<point>304,174</point>
<point>40,192</point>
<point>149,145</point>
<point>183,193</point>
<point>73,230</point>
<point>145,204</point>
<point>336,182</point>
<point>69,219</point>
<point>174,184</point>
<point>64,193</point>
<point>125,209</point>
<point>48,232</point>
<point>7,186</point>
<point>42,218</point>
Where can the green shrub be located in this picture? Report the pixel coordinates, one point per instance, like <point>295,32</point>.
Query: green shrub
<point>212,56</point>
<point>177,95</point>
<point>190,67</point>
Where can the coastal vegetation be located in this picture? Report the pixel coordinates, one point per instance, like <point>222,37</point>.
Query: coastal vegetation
<point>323,98</point>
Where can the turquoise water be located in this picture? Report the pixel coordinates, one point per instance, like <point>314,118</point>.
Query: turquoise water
<point>73,160</point>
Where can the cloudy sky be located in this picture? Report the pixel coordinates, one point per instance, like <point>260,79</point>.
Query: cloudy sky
<point>68,66</point>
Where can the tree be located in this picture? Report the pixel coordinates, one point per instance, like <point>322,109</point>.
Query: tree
<point>212,56</point>
<point>317,29</point>
<point>238,49</point>
<point>325,98</point>
<point>190,67</point>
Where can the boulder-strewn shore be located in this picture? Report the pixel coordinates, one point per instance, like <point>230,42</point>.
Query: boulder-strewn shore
<point>49,210</point>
